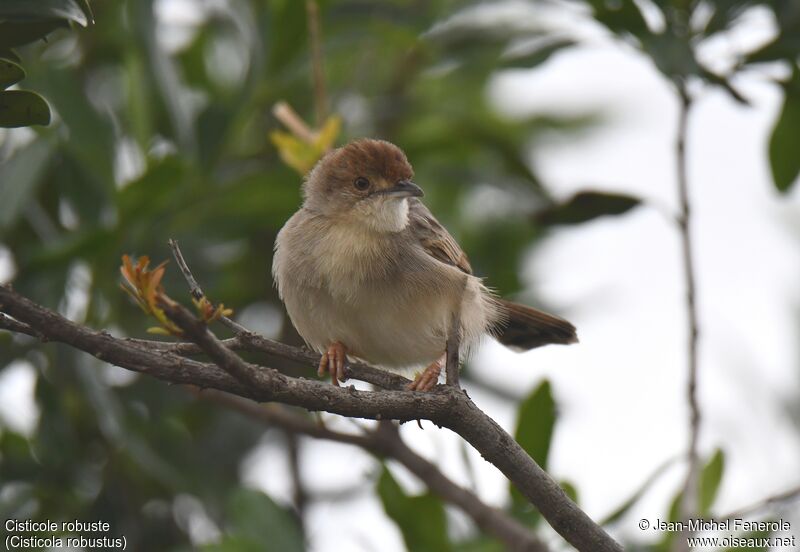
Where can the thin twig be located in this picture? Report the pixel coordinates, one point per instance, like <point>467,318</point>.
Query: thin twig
<point>194,288</point>
<point>294,122</point>
<point>317,70</point>
<point>300,495</point>
<point>15,326</point>
<point>196,291</point>
<point>764,504</point>
<point>689,503</point>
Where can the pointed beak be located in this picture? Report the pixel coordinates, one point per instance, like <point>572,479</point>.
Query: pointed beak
<point>403,188</point>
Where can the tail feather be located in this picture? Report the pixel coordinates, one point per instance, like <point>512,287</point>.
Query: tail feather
<point>527,328</point>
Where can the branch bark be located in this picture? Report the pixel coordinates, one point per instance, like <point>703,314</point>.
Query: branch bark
<point>385,442</point>
<point>445,406</point>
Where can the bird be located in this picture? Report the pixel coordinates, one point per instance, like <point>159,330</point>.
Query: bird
<point>365,270</point>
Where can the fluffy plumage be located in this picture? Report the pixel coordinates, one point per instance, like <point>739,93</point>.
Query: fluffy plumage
<point>373,269</point>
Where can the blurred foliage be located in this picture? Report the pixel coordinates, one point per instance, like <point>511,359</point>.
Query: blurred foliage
<point>420,518</point>
<point>671,32</point>
<point>163,127</point>
<point>22,22</point>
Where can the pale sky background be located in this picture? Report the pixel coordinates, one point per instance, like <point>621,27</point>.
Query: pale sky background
<point>621,391</point>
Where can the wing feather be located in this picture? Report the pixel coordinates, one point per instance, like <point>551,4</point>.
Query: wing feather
<point>434,238</point>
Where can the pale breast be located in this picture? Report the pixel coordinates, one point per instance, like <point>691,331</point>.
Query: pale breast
<point>389,303</point>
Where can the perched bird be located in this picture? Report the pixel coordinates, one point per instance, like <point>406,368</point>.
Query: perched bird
<point>365,269</point>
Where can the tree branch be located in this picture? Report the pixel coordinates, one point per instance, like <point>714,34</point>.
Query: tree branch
<point>194,288</point>
<point>385,441</point>
<point>689,502</point>
<point>764,504</point>
<point>446,406</point>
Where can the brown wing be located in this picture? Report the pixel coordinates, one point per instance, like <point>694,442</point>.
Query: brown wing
<point>434,238</point>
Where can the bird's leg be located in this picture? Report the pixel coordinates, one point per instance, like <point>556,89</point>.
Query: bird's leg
<point>334,362</point>
<point>427,379</point>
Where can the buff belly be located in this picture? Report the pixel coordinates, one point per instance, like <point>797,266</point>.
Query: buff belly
<point>393,330</point>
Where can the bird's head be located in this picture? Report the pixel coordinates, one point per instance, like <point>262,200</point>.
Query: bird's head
<point>366,181</point>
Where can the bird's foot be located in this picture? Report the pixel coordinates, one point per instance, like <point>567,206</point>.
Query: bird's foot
<point>427,379</point>
<point>334,362</point>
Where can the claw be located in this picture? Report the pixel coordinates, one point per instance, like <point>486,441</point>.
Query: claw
<point>427,379</point>
<point>334,362</point>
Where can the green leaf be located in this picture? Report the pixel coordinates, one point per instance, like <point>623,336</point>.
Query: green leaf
<point>708,485</point>
<point>19,108</point>
<point>621,17</point>
<point>18,33</point>
<point>20,177</point>
<point>537,56</point>
<point>481,544</point>
<point>421,518</point>
<point>570,489</point>
<point>254,517</point>
<point>10,73</point>
<point>537,418</point>
<point>783,145</point>
<point>9,54</point>
<point>585,206</point>
<point>234,544</point>
<point>710,479</point>
<point>41,9</point>
<point>87,10</point>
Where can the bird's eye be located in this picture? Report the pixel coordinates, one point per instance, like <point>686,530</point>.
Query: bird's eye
<point>361,183</point>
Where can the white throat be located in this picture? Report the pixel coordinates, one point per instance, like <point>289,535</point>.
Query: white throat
<point>389,214</point>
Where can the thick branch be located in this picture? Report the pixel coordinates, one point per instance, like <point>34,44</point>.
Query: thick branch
<point>446,406</point>
<point>255,343</point>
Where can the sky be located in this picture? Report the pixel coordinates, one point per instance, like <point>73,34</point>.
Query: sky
<point>621,391</point>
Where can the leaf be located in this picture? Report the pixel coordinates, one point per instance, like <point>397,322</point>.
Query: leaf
<point>537,56</point>
<point>234,544</point>
<point>87,10</point>
<point>585,206</point>
<point>537,418</point>
<point>9,54</point>
<point>41,9</point>
<point>19,108</point>
<point>621,17</point>
<point>708,485</point>
<point>20,177</point>
<point>481,544</point>
<point>570,490</point>
<point>10,73</point>
<point>783,144</point>
<point>19,33</point>
<point>255,517</point>
<point>302,155</point>
<point>710,478</point>
<point>421,518</point>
